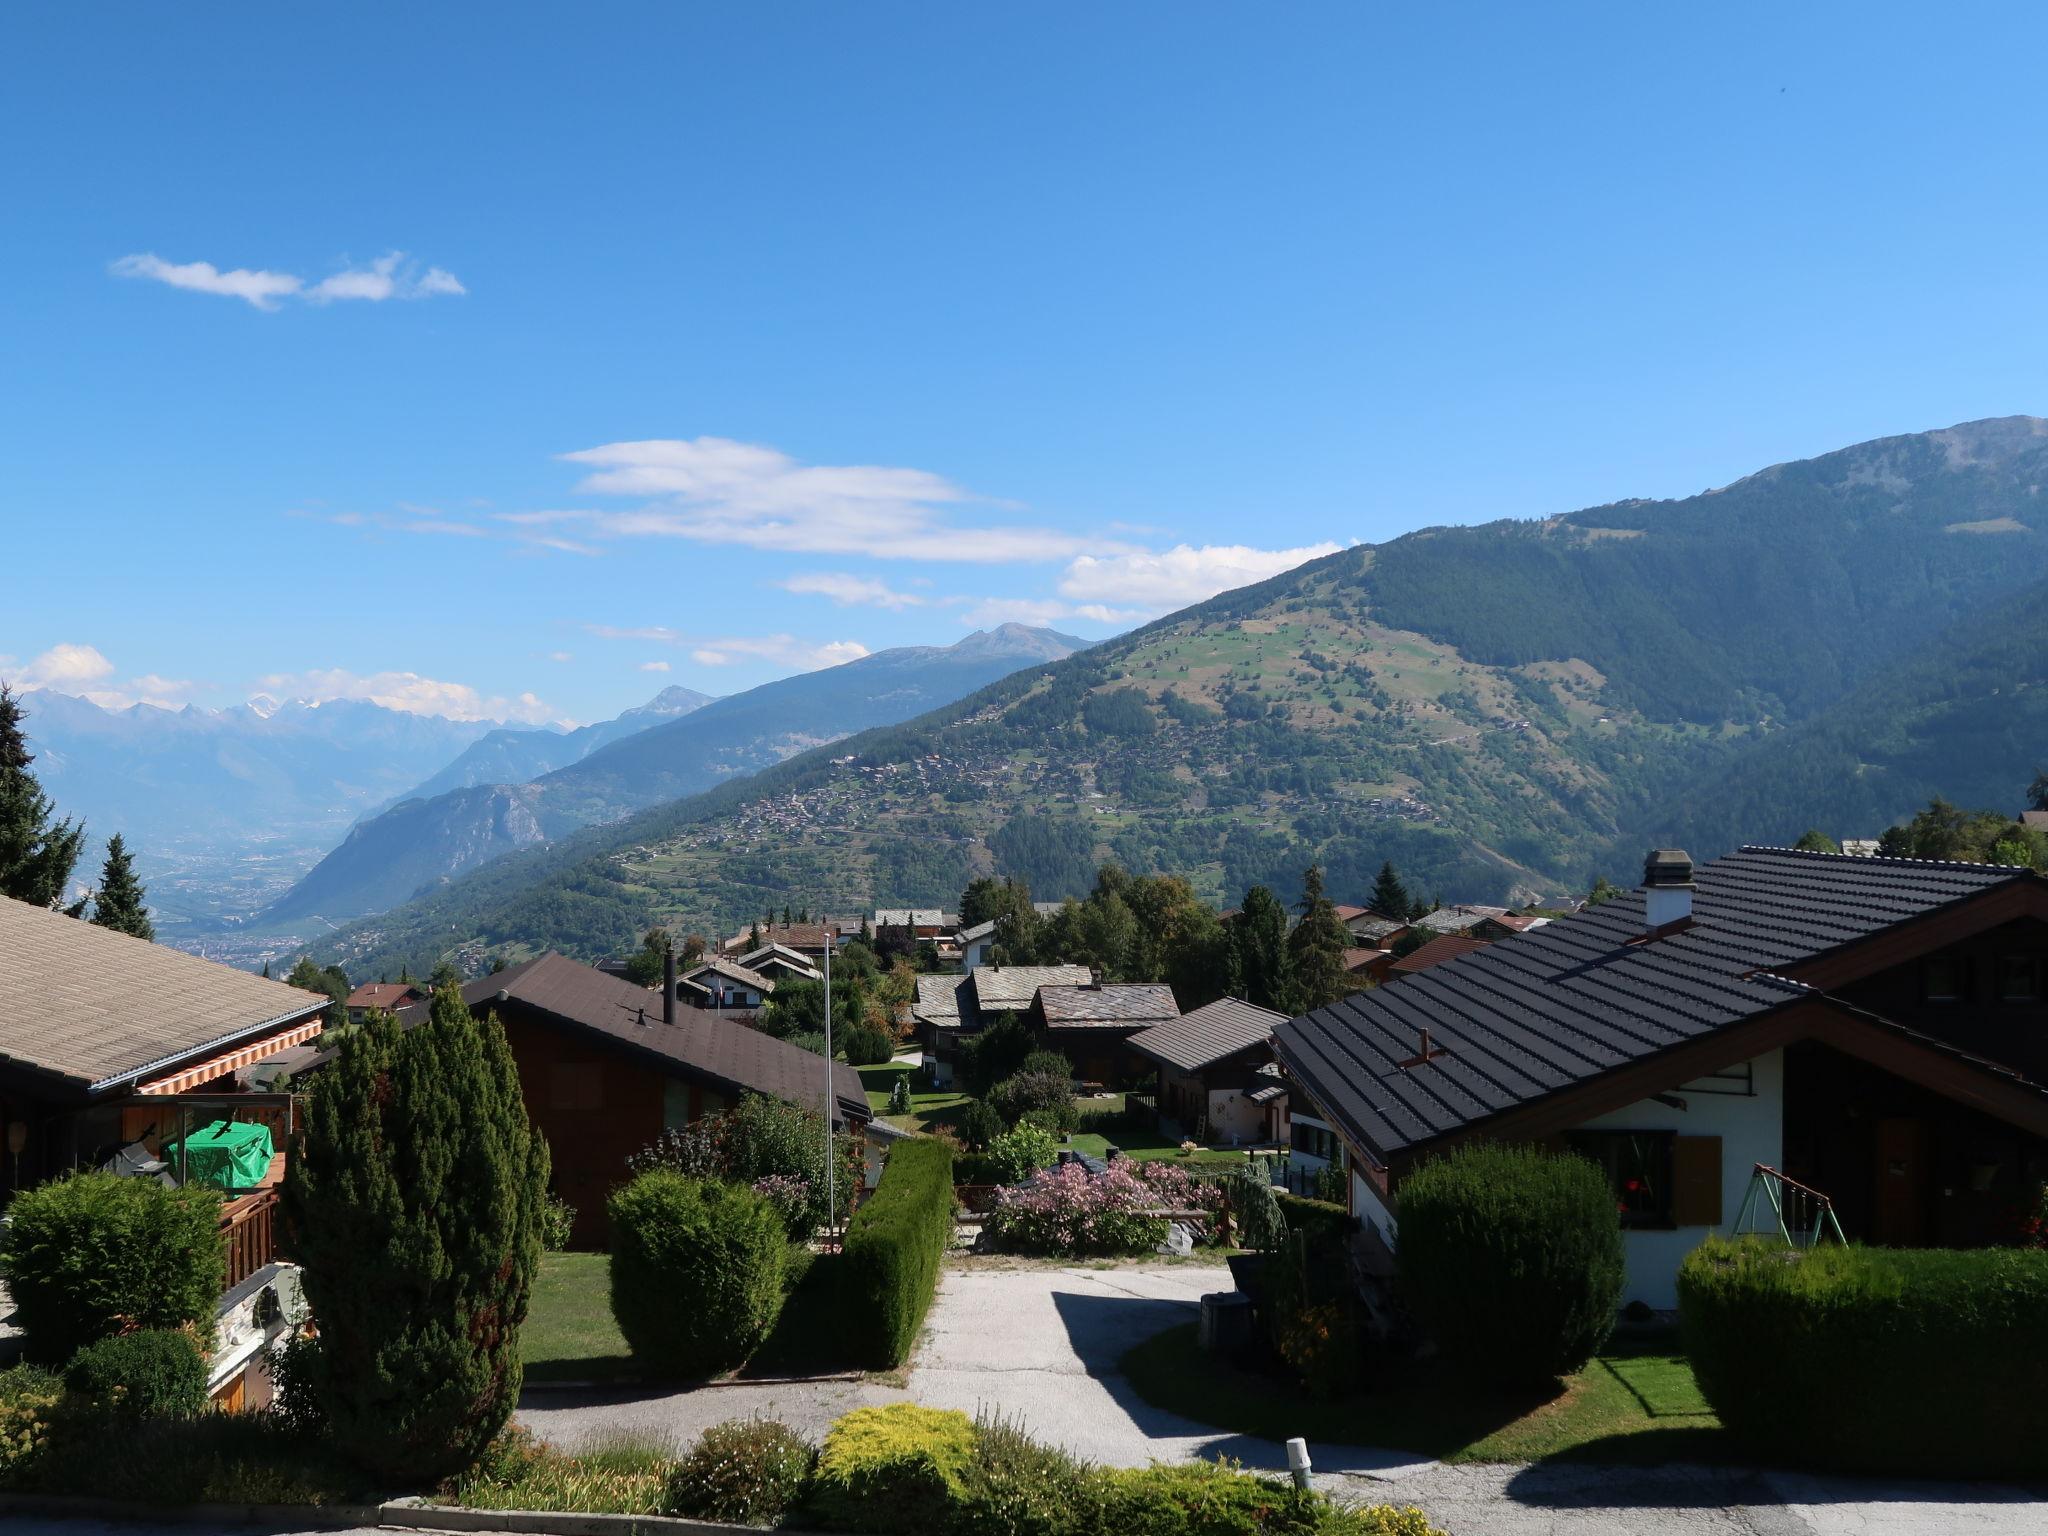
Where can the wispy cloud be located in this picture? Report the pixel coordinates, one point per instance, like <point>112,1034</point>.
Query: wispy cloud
<point>850,591</point>
<point>390,276</point>
<point>407,691</point>
<point>82,670</point>
<point>1160,581</point>
<point>653,666</point>
<point>798,655</point>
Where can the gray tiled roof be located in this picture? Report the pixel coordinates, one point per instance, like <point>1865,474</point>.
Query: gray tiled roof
<point>1543,1011</point>
<point>731,970</point>
<point>1010,988</point>
<point>1373,928</point>
<point>94,1006</point>
<point>1114,1004</point>
<point>978,931</point>
<point>938,1000</point>
<point>1208,1035</point>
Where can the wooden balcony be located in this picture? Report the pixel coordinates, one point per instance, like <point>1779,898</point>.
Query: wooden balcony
<point>248,1227</point>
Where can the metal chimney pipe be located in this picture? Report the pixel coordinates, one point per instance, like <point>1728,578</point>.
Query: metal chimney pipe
<point>668,985</point>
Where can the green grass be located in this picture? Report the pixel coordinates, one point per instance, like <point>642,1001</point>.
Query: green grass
<point>569,1333</point>
<point>1150,1145</point>
<point>928,1111</point>
<point>1635,1404</point>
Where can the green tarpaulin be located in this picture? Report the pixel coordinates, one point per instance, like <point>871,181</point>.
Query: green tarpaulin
<point>228,1154</point>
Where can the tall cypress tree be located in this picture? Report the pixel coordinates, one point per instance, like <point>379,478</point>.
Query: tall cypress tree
<point>1258,942</point>
<point>37,852</point>
<point>1315,950</point>
<point>414,1198</point>
<point>119,903</point>
<point>1389,896</point>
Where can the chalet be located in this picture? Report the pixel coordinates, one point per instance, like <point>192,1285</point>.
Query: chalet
<point>806,939</point>
<point>1089,1022</point>
<point>950,1008</point>
<point>603,1076</point>
<point>1455,919</point>
<point>1368,965</point>
<point>1874,1028</point>
<point>975,943</point>
<point>922,922</point>
<point>122,1054</point>
<point>721,984</point>
<point>1373,931</point>
<point>1216,1071</point>
<point>778,962</point>
<point>1445,946</point>
<point>390,996</point>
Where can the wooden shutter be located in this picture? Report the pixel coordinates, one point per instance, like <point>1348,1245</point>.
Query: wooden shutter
<point>1696,1181</point>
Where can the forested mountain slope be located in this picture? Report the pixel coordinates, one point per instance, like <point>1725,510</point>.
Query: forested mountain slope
<point>1495,708</point>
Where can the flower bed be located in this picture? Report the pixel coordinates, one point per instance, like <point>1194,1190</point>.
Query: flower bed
<point>1067,1210</point>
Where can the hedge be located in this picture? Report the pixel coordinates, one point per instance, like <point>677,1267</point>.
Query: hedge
<point>697,1271</point>
<point>151,1374</point>
<point>1511,1258</point>
<point>88,1255</point>
<point>894,1246</point>
<point>1901,1361</point>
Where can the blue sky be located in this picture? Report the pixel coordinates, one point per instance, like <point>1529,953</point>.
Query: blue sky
<point>730,339</point>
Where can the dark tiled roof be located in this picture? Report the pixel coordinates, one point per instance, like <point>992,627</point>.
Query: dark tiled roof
<point>1543,1011</point>
<point>1210,1034</point>
<point>1454,919</point>
<point>1116,1004</point>
<point>1010,988</point>
<point>583,998</point>
<point>382,994</point>
<point>1445,946</point>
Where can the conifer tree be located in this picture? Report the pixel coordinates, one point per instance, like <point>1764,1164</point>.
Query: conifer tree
<point>415,1199</point>
<point>1315,950</point>
<point>120,902</point>
<point>1258,942</point>
<point>37,852</point>
<point>1389,896</point>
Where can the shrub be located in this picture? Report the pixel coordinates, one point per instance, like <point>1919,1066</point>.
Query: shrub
<point>1067,1210</point>
<point>92,1253</point>
<point>621,1474</point>
<point>1511,1258</point>
<point>1015,1097</point>
<point>1015,1155</point>
<point>892,1469</point>
<point>1260,1224</point>
<point>1907,1362</point>
<point>28,1404</point>
<point>557,1223</point>
<point>895,1245</point>
<point>697,1270</point>
<point>747,1471</point>
<point>1204,1498</point>
<point>866,1046</point>
<point>1051,1063</point>
<point>792,1200</point>
<point>899,1095</point>
<point>414,1202</point>
<point>1015,1486</point>
<point>995,1052</point>
<point>295,1400</point>
<point>979,1125</point>
<point>1329,1185</point>
<point>758,1137</point>
<point>155,1373</point>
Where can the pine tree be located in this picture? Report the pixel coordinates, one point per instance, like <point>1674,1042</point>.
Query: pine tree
<point>119,903</point>
<point>37,854</point>
<point>415,1199</point>
<point>266,970</point>
<point>1389,896</point>
<point>1315,950</point>
<point>1258,941</point>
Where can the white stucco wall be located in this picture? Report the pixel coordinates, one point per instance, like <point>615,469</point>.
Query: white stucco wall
<point>1751,1132</point>
<point>1233,1118</point>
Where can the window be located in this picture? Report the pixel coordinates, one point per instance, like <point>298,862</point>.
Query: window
<point>2018,979</point>
<point>1940,979</point>
<point>1638,1167</point>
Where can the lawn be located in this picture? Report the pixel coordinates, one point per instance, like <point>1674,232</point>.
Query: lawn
<point>1150,1145</point>
<point>928,1111</point>
<point>569,1333</point>
<point>1636,1403</point>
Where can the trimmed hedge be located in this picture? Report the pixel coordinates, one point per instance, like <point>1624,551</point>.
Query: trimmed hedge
<point>697,1271</point>
<point>90,1254</point>
<point>894,1246</point>
<point>1913,1363</point>
<point>1511,1258</point>
<point>153,1374</point>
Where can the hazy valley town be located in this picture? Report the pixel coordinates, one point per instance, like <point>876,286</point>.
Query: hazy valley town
<point>993,771</point>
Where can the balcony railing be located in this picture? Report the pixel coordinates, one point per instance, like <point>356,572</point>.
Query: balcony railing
<point>248,1228</point>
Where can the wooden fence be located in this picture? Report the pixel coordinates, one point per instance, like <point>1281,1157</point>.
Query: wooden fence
<point>248,1227</point>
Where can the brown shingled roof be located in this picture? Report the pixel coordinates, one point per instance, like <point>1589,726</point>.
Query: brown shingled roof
<point>1445,946</point>
<point>98,1008</point>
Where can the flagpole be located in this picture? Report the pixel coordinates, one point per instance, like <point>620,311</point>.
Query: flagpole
<point>831,1189</point>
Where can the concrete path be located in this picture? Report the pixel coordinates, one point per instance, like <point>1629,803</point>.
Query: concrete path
<point>588,1420</point>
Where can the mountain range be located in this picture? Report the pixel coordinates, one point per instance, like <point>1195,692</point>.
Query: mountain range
<point>462,818</point>
<point>1504,710</point>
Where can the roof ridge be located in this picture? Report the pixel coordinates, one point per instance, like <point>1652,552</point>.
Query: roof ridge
<point>1864,860</point>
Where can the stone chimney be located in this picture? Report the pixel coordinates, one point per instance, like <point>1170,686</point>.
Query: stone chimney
<point>668,986</point>
<point>1667,890</point>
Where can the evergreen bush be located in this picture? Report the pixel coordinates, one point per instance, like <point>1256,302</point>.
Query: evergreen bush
<point>1256,1206</point>
<point>746,1471</point>
<point>153,1373</point>
<point>1511,1259</point>
<point>894,1247</point>
<point>979,1125</point>
<point>1018,1095</point>
<point>892,1469</point>
<point>866,1046</point>
<point>1906,1362</point>
<point>88,1255</point>
<point>697,1271</point>
<point>415,1202</point>
<point>29,1396</point>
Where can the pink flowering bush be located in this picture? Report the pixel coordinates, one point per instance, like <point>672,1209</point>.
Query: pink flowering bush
<point>791,1198</point>
<point>1066,1210</point>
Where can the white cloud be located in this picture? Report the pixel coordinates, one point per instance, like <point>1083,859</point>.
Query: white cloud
<point>849,590</point>
<point>66,666</point>
<point>407,691</point>
<point>1159,581</point>
<point>787,651</point>
<point>262,289</point>
<point>714,490</point>
<point>560,656</point>
<point>390,276</point>
<point>653,666</point>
